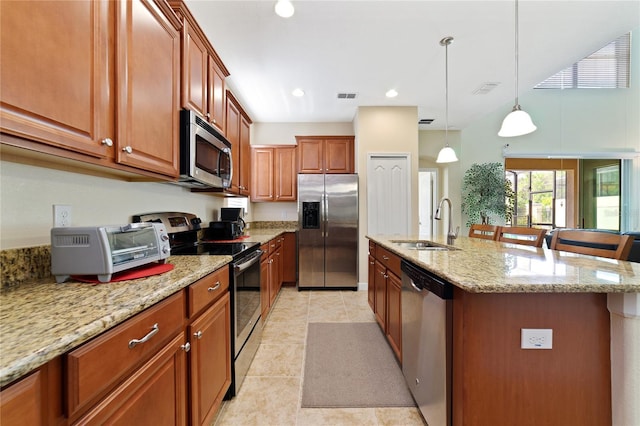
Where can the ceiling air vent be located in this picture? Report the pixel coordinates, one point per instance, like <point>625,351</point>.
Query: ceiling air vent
<point>346,95</point>
<point>485,88</point>
<point>425,121</point>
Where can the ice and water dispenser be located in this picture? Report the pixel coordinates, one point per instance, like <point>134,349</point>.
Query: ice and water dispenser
<point>310,215</point>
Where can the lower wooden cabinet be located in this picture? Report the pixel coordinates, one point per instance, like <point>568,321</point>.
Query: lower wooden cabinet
<point>155,394</point>
<point>289,259</point>
<point>385,294</point>
<point>210,360</point>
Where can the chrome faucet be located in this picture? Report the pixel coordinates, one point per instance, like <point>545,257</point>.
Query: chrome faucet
<point>450,235</point>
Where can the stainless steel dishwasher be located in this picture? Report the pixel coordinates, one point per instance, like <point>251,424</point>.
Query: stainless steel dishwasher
<point>427,342</point>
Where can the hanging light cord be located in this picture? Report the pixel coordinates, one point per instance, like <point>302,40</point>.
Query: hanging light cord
<point>516,55</point>
<point>446,42</point>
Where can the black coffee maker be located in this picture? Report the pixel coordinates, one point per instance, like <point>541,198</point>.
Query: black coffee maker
<point>230,227</point>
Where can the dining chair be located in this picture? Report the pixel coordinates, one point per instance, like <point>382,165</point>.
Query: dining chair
<point>486,232</point>
<point>594,243</point>
<point>522,235</point>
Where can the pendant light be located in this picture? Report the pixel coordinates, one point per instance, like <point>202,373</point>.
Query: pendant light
<point>446,154</point>
<point>517,122</point>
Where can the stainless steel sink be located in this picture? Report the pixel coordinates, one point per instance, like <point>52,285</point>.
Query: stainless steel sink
<point>420,245</point>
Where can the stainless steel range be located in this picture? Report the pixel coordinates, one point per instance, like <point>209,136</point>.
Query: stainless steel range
<point>188,238</point>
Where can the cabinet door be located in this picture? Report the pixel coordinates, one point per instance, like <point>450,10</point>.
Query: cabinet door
<point>21,403</point>
<point>262,175</point>
<point>233,135</point>
<point>194,71</point>
<point>210,360</point>
<point>57,86</point>
<point>245,156</point>
<point>394,313</point>
<point>148,99</point>
<point>380,285</point>
<point>289,251</point>
<point>273,278</point>
<point>155,394</point>
<point>285,174</point>
<point>264,287</point>
<point>216,96</point>
<point>371,298</point>
<point>338,155</point>
<point>310,155</point>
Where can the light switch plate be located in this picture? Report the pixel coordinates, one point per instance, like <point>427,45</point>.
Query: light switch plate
<point>536,338</point>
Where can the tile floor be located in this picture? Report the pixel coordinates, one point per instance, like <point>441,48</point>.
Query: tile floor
<point>270,394</point>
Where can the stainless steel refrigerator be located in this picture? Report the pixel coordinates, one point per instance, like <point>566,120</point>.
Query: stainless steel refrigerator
<point>328,231</point>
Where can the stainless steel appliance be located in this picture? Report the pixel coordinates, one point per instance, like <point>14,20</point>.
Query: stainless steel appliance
<point>223,230</point>
<point>205,155</point>
<point>244,279</point>
<point>328,231</point>
<point>427,342</point>
<point>105,250</point>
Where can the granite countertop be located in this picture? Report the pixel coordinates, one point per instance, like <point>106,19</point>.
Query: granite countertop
<point>482,266</point>
<point>40,320</point>
<point>264,235</point>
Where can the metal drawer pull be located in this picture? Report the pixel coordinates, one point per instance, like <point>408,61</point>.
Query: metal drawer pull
<point>186,347</point>
<point>153,332</point>
<point>385,257</point>
<point>198,335</point>
<point>215,287</point>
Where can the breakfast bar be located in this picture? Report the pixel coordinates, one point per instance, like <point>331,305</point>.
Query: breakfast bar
<point>589,303</point>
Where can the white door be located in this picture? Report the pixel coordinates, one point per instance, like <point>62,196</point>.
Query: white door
<point>427,184</point>
<point>389,194</point>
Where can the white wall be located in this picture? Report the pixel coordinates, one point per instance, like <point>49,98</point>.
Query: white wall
<point>384,130</point>
<point>28,192</point>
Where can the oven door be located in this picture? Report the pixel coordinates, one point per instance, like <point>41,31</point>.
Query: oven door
<point>246,272</point>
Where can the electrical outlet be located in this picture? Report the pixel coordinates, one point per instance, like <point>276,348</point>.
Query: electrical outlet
<point>61,215</point>
<point>536,338</point>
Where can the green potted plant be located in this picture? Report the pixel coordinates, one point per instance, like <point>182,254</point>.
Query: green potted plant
<point>486,191</point>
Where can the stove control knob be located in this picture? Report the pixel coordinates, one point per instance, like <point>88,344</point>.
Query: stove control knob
<point>165,250</point>
<point>164,237</point>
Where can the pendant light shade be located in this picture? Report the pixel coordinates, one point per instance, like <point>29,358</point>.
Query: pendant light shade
<point>446,154</point>
<point>517,122</point>
<point>284,8</point>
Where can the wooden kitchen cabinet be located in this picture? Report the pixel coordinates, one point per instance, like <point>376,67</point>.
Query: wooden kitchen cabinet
<point>273,173</point>
<point>264,281</point>
<point>203,73</point>
<point>147,101</point>
<point>35,399</point>
<point>238,133</point>
<point>386,295</point>
<point>270,274</point>
<point>154,394</point>
<point>289,261</point>
<point>210,360</point>
<point>102,92</point>
<point>325,154</point>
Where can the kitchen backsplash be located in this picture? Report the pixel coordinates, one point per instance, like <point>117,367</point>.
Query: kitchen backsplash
<point>24,264</point>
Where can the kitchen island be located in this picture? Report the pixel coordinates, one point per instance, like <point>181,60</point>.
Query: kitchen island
<point>501,288</point>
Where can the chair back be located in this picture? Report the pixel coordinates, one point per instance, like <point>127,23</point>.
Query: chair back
<point>486,232</point>
<point>521,235</point>
<point>594,243</point>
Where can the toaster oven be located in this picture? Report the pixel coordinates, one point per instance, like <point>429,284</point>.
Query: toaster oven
<point>105,250</point>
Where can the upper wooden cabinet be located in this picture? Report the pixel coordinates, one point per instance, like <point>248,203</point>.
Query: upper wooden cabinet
<point>325,154</point>
<point>103,91</point>
<point>238,133</point>
<point>273,173</point>
<point>203,73</point>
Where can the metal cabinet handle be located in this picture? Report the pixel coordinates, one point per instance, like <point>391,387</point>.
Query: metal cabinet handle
<point>153,332</point>
<point>208,115</point>
<point>198,335</point>
<point>186,347</point>
<point>385,257</point>
<point>385,275</point>
<point>372,263</point>
<point>215,287</point>
<point>213,121</point>
<point>107,142</point>
<point>127,149</point>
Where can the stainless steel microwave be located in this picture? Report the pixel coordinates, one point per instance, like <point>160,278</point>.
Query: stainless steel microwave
<point>205,155</point>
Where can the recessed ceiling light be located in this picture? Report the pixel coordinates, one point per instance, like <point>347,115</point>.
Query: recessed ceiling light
<point>391,93</point>
<point>284,8</point>
<point>298,92</point>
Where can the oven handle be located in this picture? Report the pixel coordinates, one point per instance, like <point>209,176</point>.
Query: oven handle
<point>248,261</point>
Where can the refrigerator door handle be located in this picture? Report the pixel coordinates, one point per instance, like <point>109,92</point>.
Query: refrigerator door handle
<point>325,214</point>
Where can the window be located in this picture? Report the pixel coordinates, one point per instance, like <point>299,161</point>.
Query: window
<point>607,68</point>
<point>540,198</point>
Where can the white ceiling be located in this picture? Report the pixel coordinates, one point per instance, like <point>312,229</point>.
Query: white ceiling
<point>369,47</point>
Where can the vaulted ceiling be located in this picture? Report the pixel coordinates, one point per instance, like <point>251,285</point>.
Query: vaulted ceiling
<point>368,47</point>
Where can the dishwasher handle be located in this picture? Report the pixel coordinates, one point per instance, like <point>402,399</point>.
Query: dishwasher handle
<point>424,280</point>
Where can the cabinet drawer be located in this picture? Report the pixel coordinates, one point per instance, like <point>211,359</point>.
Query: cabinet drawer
<point>265,252</point>
<point>372,248</point>
<point>389,260</point>
<point>207,290</point>
<point>95,367</point>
